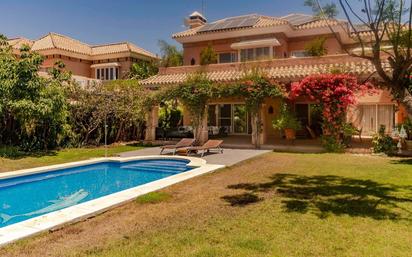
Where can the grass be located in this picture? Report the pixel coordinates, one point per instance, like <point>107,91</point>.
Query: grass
<point>16,160</point>
<point>153,197</point>
<point>278,204</point>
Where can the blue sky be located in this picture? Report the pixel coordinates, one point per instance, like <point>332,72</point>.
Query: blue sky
<point>139,21</point>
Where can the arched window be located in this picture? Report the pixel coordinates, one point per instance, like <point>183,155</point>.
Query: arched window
<point>270,110</point>
<point>193,61</point>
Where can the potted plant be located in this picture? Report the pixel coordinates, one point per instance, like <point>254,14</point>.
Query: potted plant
<point>288,122</point>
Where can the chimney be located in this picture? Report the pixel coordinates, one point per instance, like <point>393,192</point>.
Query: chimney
<point>195,20</point>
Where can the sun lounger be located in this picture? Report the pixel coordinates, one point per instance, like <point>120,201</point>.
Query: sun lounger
<point>185,142</point>
<point>209,145</point>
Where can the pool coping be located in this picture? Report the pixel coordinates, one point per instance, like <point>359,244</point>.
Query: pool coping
<point>90,208</point>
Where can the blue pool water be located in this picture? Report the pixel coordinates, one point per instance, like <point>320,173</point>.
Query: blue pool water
<point>25,197</point>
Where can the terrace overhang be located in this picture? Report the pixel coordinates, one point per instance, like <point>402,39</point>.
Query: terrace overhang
<point>282,70</point>
<point>268,42</point>
<point>101,65</point>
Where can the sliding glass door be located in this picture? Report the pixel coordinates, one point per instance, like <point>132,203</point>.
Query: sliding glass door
<point>240,119</point>
<point>225,117</point>
<point>232,117</point>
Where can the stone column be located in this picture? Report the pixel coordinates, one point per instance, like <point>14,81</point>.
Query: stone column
<point>152,121</point>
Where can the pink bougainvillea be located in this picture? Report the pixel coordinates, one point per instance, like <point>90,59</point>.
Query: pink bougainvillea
<point>334,93</point>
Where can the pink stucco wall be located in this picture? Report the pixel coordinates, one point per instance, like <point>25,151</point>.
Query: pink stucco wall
<point>77,67</point>
<point>192,50</point>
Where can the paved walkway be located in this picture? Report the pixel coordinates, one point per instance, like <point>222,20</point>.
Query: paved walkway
<point>229,157</point>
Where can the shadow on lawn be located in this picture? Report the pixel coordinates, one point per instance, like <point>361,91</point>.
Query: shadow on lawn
<point>402,161</point>
<point>335,195</point>
<point>13,153</point>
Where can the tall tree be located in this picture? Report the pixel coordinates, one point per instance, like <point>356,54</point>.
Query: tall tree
<point>33,109</point>
<point>382,29</point>
<point>171,55</point>
<point>208,56</point>
<point>329,9</point>
<point>143,70</point>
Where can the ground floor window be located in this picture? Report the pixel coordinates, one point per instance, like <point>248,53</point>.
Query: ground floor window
<point>374,115</point>
<point>233,118</point>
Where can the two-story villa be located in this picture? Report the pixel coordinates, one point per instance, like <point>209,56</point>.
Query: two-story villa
<point>86,62</point>
<point>277,46</point>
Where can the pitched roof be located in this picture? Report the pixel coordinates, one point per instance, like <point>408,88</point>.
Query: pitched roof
<point>290,72</point>
<point>62,42</point>
<point>18,42</point>
<point>119,48</point>
<point>53,40</point>
<point>258,21</point>
<point>295,20</point>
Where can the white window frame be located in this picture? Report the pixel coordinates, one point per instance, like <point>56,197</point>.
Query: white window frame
<point>376,109</point>
<point>103,73</point>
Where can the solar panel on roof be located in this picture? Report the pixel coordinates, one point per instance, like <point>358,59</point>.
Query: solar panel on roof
<point>299,19</point>
<point>230,23</point>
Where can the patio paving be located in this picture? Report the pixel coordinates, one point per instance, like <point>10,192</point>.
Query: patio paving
<point>229,157</point>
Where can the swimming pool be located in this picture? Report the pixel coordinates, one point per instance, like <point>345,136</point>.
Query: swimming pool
<point>28,196</point>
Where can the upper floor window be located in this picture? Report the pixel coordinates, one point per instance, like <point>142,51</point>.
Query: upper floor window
<point>109,73</point>
<point>253,54</point>
<point>298,53</point>
<point>227,57</point>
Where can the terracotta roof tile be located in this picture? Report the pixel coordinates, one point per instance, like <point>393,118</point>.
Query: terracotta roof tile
<point>17,43</point>
<point>57,41</point>
<point>318,24</point>
<point>283,72</point>
<point>53,40</point>
<point>110,49</point>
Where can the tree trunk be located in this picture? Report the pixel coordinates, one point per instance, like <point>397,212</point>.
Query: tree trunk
<point>256,129</point>
<point>200,131</point>
<point>119,132</point>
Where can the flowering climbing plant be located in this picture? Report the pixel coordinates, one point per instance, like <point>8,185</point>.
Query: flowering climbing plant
<point>334,93</point>
<point>254,87</point>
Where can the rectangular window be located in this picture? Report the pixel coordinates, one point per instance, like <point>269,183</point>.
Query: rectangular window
<point>111,74</point>
<point>107,74</point>
<point>299,53</point>
<point>98,73</point>
<point>262,53</point>
<point>373,116</point>
<point>117,73</point>
<point>253,54</point>
<point>227,57</point>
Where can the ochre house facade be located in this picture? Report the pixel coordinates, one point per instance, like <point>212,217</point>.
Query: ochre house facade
<point>86,62</point>
<point>277,46</point>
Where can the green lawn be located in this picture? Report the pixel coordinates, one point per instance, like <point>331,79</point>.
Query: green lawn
<point>24,161</point>
<point>278,204</point>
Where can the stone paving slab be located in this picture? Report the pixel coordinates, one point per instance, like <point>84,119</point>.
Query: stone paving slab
<point>229,157</point>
